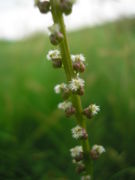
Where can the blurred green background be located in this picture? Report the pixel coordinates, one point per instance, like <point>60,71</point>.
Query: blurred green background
<point>35,137</point>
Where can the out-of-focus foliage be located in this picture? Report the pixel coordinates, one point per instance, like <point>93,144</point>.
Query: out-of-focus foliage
<point>35,137</point>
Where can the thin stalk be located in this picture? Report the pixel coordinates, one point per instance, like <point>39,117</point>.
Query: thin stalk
<point>66,58</point>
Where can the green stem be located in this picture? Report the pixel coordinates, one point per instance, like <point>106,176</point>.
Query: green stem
<point>64,47</point>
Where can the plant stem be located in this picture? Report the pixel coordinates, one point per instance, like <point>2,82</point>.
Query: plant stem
<point>66,58</point>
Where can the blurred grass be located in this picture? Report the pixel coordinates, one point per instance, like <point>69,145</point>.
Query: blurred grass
<point>35,137</point>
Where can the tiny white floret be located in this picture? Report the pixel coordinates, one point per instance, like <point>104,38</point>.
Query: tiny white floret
<point>77,162</point>
<point>98,148</point>
<point>58,88</point>
<point>77,132</point>
<point>54,28</point>
<point>86,177</point>
<point>78,57</point>
<point>64,105</point>
<point>53,54</point>
<point>76,83</point>
<point>94,109</point>
<point>76,151</point>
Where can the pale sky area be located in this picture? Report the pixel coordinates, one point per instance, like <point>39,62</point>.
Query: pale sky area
<point>19,17</point>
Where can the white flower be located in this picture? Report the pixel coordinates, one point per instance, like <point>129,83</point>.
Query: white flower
<point>53,54</point>
<point>77,132</point>
<point>54,28</point>
<point>75,84</point>
<point>94,109</point>
<point>58,88</point>
<point>98,148</point>
<point>64,105</point>
<point>86,177</point>
<point>76,151</point>
<point>77,162</point>
<point>78,57</point>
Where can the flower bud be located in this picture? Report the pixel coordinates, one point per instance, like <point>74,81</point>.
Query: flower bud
<point>55,57</point>
<point>66,94</point>
<point>80,168</point>
<point>84,134</point>
<point>80,91</point>
<point>91,110</point>
<point>96,151</point>
<point>79,157</point>
<point>57,63</point>
<point>76,151</point>
<point>94,155</point>
<point>79,66</point>
<point>55,35</point>
<point>87,113</point>
<point>76,85</point>
<point>70,111</point>
<point>79,133</point>
<point>56,38</point>
<point>66,6</point>
<point>44,6</point>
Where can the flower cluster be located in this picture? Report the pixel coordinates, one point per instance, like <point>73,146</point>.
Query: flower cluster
<point>96,151</point>
<point>63,89</point>
<point>56,36</point>
<point>79,57</point>
<point>79,133</point>
<point>66,6</point>
<point>44,6</point>
<point>67,107</point>
<point>53,54</point>
<point>78,62</point>
<point>76,85</point>
<point>77,155</point>
<point>91,110</point>
<point>76,151</point>
<point>55,57</point>
<point>60,87</point>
